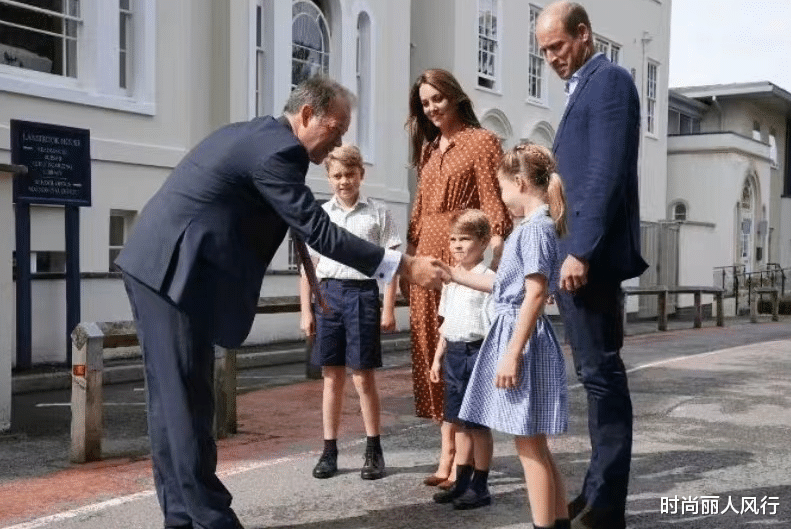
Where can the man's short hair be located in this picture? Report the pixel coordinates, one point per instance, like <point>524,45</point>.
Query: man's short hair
<point>319,92</point>
<point>575,16</point>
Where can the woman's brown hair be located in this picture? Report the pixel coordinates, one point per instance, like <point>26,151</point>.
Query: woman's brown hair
<point>420,128</point>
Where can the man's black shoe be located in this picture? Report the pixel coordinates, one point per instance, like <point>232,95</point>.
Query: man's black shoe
<point>326,467</point>
<point>576,505</point>
<point>593,518</point>
<point>374,466</point>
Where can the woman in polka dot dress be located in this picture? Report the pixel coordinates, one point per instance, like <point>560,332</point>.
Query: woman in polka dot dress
<point>518,384</point>
<point>457,164</point>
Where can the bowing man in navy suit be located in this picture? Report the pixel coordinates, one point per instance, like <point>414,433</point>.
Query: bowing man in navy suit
<point>596,150</point>
<point>193,268</point>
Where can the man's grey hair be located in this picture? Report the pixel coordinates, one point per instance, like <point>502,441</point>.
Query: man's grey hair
<point>319,92</point>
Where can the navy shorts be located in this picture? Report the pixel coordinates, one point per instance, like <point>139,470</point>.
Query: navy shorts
<point>457,368</point>
<point>350,334</point>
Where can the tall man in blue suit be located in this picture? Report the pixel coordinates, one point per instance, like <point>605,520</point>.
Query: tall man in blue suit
<point>193,268</point>
<point>596,149</point>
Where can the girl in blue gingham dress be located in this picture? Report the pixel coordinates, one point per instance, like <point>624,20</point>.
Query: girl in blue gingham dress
<point>518,384</point>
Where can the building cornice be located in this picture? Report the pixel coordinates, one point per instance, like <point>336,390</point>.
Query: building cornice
<point>716,143</point>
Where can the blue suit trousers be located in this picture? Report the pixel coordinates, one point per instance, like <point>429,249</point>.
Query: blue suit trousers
<point>593,318</point>
<point>178,356</point>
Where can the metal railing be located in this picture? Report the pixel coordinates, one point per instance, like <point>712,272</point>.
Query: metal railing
<point>733,279</point>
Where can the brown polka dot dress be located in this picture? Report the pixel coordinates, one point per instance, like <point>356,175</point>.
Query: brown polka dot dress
<point>463,176</point>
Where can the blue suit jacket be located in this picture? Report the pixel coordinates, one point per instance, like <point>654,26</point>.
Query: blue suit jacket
<point>596,150</point>
<point>220,216</point>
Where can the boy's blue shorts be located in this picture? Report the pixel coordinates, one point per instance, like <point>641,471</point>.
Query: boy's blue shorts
<point>457,368</point>
<point>350,334</point>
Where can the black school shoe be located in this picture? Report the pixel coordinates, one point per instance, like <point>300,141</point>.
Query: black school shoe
<point>326,467</point>
<point>374,466</point>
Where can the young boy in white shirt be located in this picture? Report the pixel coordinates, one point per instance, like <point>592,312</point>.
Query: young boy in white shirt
<point>467,316</point>
<point>348,335</point>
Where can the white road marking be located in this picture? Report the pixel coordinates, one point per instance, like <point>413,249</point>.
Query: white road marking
<point>240,468</point>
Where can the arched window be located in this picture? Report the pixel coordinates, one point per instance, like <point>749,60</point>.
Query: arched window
<point>310,39</point>
<point>496,121</point>
<point>364,98</point>
<point>680,211</point>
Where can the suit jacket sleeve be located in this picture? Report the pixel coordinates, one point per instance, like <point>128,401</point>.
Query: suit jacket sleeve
<point>281,181</point>
<point>613,116</point>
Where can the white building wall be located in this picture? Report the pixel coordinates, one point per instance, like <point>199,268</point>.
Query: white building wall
<point>708,172</point>
<point>201,77</point>
<point>698,241</point>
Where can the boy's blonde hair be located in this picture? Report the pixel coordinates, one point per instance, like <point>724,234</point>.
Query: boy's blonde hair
<point>347,155</point>
<point>471,222</point>
<point>535,165</point>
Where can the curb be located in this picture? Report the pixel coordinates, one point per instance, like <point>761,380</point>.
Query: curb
<point>131,370</point>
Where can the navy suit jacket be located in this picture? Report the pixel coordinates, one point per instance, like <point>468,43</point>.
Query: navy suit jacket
<point>596,150</point>
<point>220,216</point>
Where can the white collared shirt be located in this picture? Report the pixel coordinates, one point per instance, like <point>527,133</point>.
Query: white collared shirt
<point>574,80</point>
<point>370,220</point>
<point>468,313</point>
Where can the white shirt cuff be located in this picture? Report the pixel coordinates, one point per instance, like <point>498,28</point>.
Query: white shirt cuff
<point>388,267</point>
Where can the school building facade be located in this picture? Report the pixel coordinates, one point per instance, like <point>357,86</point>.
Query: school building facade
<point>151,78</point>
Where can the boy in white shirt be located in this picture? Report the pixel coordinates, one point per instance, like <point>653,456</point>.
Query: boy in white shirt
<point>348,335</point>
<point>467,315</point>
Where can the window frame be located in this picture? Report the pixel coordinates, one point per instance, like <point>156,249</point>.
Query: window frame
<point>651,98</point>
<point>128,218</point>
<point>609,48</point>
<point>494,39</point>
<point>68,37</point>
<point>364,68</point>
<point>534,56</point>
<point>97,81</point>
<point>327,39</point>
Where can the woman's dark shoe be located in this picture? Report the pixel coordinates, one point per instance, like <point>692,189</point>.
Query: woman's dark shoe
<point>327,466</point>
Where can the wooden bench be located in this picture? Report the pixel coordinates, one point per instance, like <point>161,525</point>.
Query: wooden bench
<point>661,292</point>
<point>89,341</point>
<point>774,294</point>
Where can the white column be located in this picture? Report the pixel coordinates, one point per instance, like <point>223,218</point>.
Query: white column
<point>7,304</point>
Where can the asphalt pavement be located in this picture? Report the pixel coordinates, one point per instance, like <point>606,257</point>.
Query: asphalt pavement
<point>711,450</point>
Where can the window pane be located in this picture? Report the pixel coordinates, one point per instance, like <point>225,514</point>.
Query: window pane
<point>116,230</point>
<point>122,69</point>
<point>258,26</point>
<point>310,42</point>
<point>40,41</point>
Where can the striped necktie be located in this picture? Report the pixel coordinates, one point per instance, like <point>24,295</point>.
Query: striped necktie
<point>310,271</point>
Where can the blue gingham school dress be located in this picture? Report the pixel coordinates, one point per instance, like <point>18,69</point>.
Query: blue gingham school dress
<point>539,402</point>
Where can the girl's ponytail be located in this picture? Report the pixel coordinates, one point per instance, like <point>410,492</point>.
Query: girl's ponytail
<point>556,197</point>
